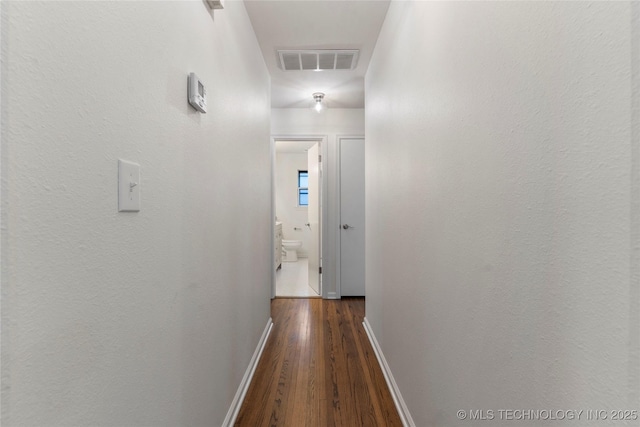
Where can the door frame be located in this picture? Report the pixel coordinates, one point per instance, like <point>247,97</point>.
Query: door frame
<point>324,211</point>
<point>339,139</point>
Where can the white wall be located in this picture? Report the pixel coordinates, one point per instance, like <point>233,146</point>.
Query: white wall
<point>502,205</point>
<point>287,209</point>
<point>331,123</point>
<point>131,319</point>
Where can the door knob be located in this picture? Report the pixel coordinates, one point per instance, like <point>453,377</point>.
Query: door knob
<point>346,226</point>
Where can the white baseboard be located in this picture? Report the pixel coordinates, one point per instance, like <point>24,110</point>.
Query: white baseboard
<point>332,295</point>
<point>230,419</point>
<point>401,406</point>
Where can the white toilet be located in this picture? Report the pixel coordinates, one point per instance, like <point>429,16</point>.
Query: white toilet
<point>291,247</point>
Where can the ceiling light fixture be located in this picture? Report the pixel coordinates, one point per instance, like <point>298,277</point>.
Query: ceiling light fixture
<point>318,97</point>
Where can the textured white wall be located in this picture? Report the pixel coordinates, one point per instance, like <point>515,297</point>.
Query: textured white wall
<point>287,211</point>
<point>331,123</point>
<point>502,206</point>
<point>131,319</point>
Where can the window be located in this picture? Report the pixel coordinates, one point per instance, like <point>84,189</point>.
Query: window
<point>303,188</point>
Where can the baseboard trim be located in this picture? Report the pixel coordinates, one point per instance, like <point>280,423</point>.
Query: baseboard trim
<point>230,419</point>
<point>401,406</point>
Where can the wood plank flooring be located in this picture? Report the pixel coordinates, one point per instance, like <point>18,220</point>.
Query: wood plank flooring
<point>318,369</point>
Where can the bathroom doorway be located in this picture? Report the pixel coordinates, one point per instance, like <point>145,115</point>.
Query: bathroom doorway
<point>297,188</point>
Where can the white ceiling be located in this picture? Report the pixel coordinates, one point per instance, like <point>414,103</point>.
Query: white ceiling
<point>294,146</point>
<point>313,24</point>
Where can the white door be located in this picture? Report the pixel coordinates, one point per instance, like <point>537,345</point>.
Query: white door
<point>352,219</point>
<point>313,212</point>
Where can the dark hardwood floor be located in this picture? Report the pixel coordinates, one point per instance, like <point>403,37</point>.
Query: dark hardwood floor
<point>318,369</point>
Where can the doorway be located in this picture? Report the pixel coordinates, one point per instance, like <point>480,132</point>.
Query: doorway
<point>297,190</point>
<point>351,231</point>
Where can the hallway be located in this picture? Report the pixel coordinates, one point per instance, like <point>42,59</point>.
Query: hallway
<point>318,369</point>
<point>501,198</point>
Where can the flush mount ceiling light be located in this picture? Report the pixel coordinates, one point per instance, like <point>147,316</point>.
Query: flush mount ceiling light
<point>318,97</point>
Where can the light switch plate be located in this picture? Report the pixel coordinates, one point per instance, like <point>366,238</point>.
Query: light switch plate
<point>128,186</point>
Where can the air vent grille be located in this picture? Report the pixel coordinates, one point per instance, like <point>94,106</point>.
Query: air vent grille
<point>308,61</point>
<point>290,61</point>
<point>312,60</point>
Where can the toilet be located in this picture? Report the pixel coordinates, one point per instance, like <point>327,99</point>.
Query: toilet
<point>291,247</point>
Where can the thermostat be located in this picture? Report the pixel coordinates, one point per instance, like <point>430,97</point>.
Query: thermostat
<point>197,93</point>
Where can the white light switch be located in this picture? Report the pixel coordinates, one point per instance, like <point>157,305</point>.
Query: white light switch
<point>128,186</point>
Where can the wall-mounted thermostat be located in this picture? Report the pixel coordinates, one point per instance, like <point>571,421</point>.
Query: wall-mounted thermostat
<point>197,93</point>
<point>215,4</point>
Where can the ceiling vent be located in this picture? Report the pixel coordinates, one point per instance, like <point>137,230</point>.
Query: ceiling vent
<point>314,60</point>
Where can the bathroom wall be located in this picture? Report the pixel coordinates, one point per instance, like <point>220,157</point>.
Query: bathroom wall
<point>131,319</point>
<point>503,207</point>
<point>287,209</point>
<point>331,123</point>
